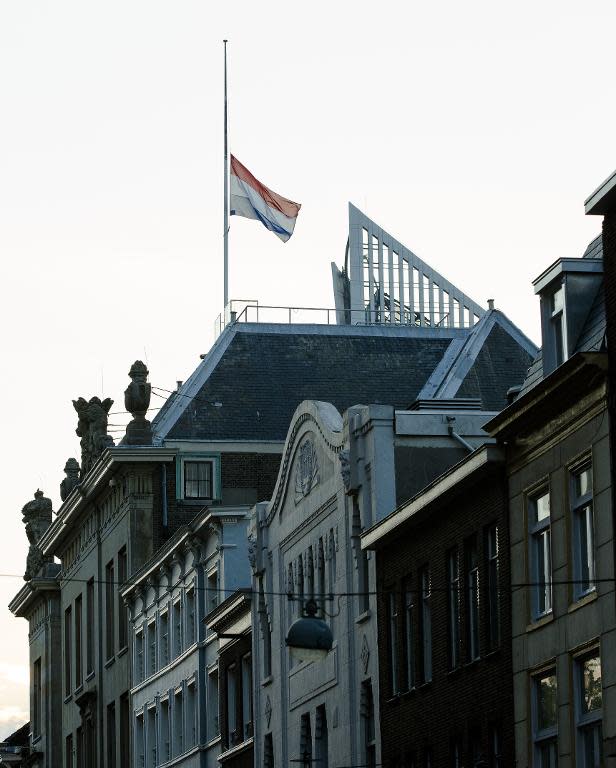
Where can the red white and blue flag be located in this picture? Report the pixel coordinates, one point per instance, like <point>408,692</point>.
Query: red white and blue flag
<point>253,200</point>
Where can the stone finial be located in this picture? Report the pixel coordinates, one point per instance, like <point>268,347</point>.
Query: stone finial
<point>92,429</point>
<point>137,401</point>
<point>37,518</point>
<point>71,470</point>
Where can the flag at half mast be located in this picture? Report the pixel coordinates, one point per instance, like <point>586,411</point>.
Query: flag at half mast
<point>253,200</point>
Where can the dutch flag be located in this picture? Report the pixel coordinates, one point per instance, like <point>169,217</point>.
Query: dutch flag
<point>253,200</point>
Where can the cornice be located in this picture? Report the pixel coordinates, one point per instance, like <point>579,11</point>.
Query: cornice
<point>30,592</point>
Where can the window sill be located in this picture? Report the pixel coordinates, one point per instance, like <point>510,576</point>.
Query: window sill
<point>393,700</point>
<point>110,662</point>
<point>363,616</point>
<point>122,651</point>
<point>267,681</point>
<point>36,739</point>
<point>78,690</point>
<point>590,597</point>
<point>68,698</point>
<point>90,676</point>
<point>540,622</point>
<point>216,740</point>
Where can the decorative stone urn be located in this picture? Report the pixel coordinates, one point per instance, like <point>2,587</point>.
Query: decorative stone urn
<point>137,401</point>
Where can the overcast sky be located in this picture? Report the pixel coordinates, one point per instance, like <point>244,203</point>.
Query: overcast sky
<point>472,132</point>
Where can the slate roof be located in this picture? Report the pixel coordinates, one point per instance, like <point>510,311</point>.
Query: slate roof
<point>255,376</point>
<point>592,337</point>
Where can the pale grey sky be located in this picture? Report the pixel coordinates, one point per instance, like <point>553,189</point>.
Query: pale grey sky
<point>471,131</point>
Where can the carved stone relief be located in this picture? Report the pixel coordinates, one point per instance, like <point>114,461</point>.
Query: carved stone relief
<point>306,470</point>
<point>92,429</point>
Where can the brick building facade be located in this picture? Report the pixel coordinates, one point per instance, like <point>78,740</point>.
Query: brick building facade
<point>442,576</point>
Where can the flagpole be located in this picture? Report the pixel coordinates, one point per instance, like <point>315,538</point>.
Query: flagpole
<point>226,196</point>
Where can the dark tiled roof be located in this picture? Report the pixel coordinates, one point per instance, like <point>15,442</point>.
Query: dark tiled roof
<point>501,359</point>
<point>262,378</point>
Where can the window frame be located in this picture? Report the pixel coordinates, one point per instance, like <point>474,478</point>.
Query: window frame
<point>585,721</point>
<point>546,735</point>
<point>214,459</point>
<point>540,532</point>
<point>583,504</point>
<point>492,566</point>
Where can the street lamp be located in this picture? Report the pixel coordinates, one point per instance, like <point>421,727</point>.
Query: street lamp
<point>309,638</point>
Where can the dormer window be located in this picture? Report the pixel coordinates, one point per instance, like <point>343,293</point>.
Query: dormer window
<point>198,477</point>
<point>556,322</point>
<point>567,290</point>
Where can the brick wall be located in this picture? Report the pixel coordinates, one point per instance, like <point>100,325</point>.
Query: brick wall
<point>464,705</point>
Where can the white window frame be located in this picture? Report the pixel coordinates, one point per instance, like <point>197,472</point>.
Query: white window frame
<point>191,616</point>
<point>547,735</point>
<point>210,458</point>
<point>409,636</point>
<point>152,648</point>
<point>178,742</point>
<point>453,578</point>
<point>586,721</point>
<point>164,646</point>
<point>165,729</point>
<point>139,745</point>
<point>426,623</point>
<point>139,660</point>
<point>213,720</point>
<point>557,324</point>
<point>393,642</point>
<point>471,556</point>
<point>540,554</point>
<point>177,629</point>
<point>583,532</point>
<point>212,593</point>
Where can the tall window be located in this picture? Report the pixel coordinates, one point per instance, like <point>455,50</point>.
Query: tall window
<point>247,695</point>
<point>588,710</point>
<point>556,322</point>
<point>151,648</point>
<point>472,597</point>
<point>68,649</point>
<point>232,705</point>
<point>545,720</point>
<point>151,736</point>
<point>213,725</point>
<point>164,638</point>
<point>368,725</point>
<point>453,579</point>
<point>409,635</point>
<point>110,591</point>
<point>197,479</point>
<point>393,642</point>
<point>111,735</point>
<point>191,618</point>
<point>178,723</point>
<point>540,555</point>
<point>268,751</point>
<point>37,699</point>
<point>122,609</point>
<point>492,568</point>
<point>139,741</point>
<point>177,628</point>
<point>321,737</point>
<point>78,651</point>
<point>426,624</point>
<point>124,724</point>
<point>90,627</point>
<point>191,714</point>
<point>139,666</point>
<point>583,531</point>
<point>212,590</point>
<point>305,743</point>
<point>69,750</point>
<point>165,731</point>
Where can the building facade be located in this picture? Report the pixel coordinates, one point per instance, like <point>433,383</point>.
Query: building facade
<point>444,608</point>
<point>557,442</point>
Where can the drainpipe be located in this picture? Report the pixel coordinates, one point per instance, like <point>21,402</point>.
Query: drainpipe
<point>164,499</point>
<point>458,438</point>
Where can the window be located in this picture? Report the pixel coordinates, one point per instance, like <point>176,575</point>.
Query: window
<point>583,532</point>
<point>139,742</point>
<point>37,699</point>
<point>472,598</point>
<point>111,735</point>
<point>393,642</point>
<point>191,714</point>
<point>232,705</point>
<point>78,652</point>
<point>191,623</point>
<point>247,695</point>
<point>164,638</point>
<point>426,625</point>
<point>212,704</point>
<point>409,636</point>
<point>122,609</point>
<point>540,554</point>
<point>545,720</point>
<point>165,731</point>
<point>151,648</point>
<point>110,591</point>
<point>139,667</point>
<point>90,627</point>
<point>588,710</point>
<point>178,723</point>
<point>212,590</point>
<point>198,480</point>
<point>305,744</point>
<point>69,750</point>
<point>68,649</point>
<point>556,324</point>
<point>368,726</point>
<point>177,628</point>
<point>321,737</point>
<point>453,580</point>
<point>79,756</point>
<point>124,724</point>
<point>492,568</point>
<point>495,759</point>
<point>152,747</point>
<point>268,751</point>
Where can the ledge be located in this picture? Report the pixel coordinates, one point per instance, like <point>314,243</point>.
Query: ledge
<point>586,599</point>
<point>538,623</point>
